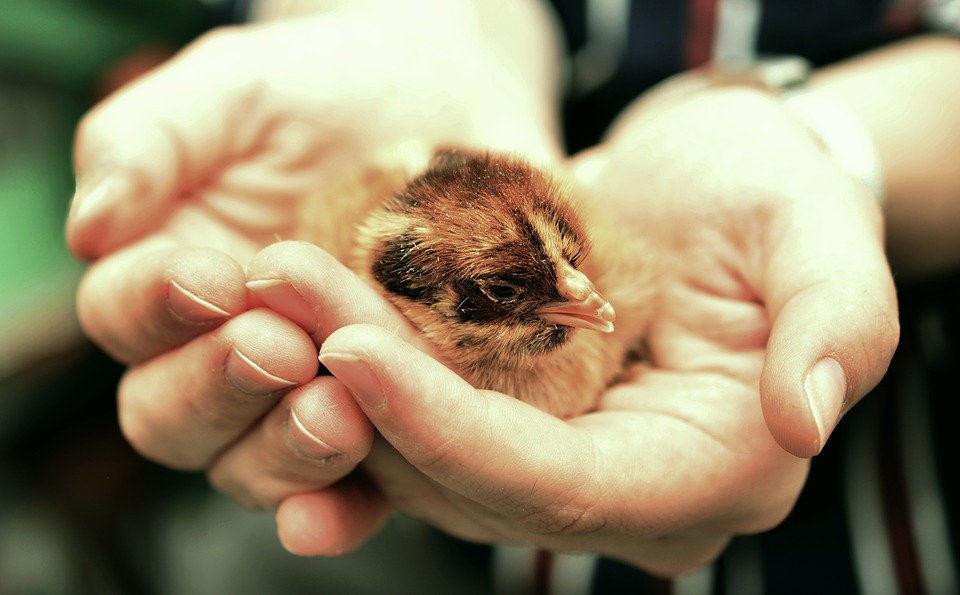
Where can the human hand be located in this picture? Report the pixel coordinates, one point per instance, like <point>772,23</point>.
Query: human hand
<point>771,271</point>
<point>758,219</point>
<point>487,467</point>
<point>186,173</point>
<point>896,92</point>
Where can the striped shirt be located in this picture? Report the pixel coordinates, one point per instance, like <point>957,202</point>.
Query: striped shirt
<point>619,48</point>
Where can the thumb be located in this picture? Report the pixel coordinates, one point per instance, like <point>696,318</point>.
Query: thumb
<point>834,327</point>
<point>492,449</point>
<point>141,148</point>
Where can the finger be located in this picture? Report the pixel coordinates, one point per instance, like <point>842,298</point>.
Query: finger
<point>311,288</point>
<point>147,299</point>
<point>417,495</point>
<point>138,150</point>
<point>513,472</point>
<point>488,447</point>
<point>183,407</point>
<point>334,521</point>
<point>315,436</point>
<point>834,313</point>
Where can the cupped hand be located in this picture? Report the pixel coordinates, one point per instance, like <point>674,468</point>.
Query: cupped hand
<point>754,215</point>
<point>777,313</point>
<point>672,464</point>
<point>186,173</point>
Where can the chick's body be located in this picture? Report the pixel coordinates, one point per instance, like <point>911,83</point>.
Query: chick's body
<point>500,268</point>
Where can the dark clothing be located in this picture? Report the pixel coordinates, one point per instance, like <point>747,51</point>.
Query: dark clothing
<point>664,37</point>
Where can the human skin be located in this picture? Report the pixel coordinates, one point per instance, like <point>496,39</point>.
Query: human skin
<point>187,172</point>
<point>811,283</point>
<point>679,459</point>
<point>184,174</point>
<point>900,94</point>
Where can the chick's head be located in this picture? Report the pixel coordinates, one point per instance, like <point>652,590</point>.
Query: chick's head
<point>482,251</point>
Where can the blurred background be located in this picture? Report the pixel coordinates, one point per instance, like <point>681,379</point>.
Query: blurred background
<point>69,486</point>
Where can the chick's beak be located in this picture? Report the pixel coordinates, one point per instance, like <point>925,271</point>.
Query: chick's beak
<point>582,304</point>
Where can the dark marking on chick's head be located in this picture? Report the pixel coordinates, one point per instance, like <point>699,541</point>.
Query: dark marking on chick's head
<point>397,269</point>
<point>484,240</point>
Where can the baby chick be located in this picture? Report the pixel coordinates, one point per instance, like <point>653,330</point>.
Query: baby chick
<point>501,268</point>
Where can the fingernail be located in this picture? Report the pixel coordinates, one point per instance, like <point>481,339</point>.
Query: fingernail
<point>97,192</point>
<point>284,299</point>
<point>825,388</point>
<point>191,307</point>
<point>306,442</point>
<point>357,376</point>
<point>249,378</point>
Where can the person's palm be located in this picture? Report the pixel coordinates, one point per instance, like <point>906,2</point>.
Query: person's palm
<point>775,293</point>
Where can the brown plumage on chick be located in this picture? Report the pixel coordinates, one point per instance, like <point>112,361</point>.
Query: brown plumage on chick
<point>499,266</point>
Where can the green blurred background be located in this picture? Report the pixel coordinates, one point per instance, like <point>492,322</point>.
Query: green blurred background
<point>57,57</point>
<point>69,486</point>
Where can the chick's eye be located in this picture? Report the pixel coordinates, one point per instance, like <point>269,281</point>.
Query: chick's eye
<point>500,291</point>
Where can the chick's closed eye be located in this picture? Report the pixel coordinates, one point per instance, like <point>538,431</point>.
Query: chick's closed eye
<point>499,290</point>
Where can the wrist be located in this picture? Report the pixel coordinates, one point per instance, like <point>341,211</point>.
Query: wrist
<point>835,128</point>
<point>842,135</point>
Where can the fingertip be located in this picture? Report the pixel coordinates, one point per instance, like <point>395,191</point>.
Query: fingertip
<point>127,173</point>
<point>249,378</point>
<point>323,415</point>
<point>190,306</point>
<point>96,221</point>
<point>182,408</point>
<point>276,354</point>
<point>308,525</point>
<point>357,374</point>
<point>311,287</point>
<point>333,522</point>
<point>311,440</point>
<point>798,436</point>
<point>204,284</point>
<point>415,401</point>
<point>282,296</point>
<point>373,362</point>
<point>143,300</point>
<point>291,260</point>
<point>291,278</point>
<point>802,421</point>
<point>825,388</point>
<point>830,344</point>
<point>196,284</point>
